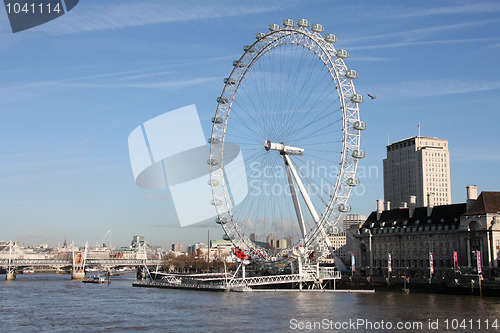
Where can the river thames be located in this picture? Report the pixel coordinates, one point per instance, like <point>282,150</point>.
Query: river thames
<point>55,303</point>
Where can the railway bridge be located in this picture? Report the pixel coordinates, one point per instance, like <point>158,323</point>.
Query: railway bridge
<point>77,261</point>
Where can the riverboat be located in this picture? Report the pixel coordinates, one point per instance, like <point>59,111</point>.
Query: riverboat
<point>96,279</point>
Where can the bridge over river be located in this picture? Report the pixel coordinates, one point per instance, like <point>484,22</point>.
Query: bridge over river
<point>75,260</point>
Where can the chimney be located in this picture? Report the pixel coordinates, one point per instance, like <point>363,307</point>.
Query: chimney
<point>413,205</point>
<point>403,205</point>
<point>387,205</point>
<point>471,195</point>
<point>430,203</point>
<point>380,207</point>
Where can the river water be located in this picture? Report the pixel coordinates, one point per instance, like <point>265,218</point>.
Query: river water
<point>55,303</point>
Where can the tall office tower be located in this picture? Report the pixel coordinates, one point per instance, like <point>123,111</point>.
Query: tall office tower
<point>352,223</point>
<point>353,220</point>
<point>417,166</point>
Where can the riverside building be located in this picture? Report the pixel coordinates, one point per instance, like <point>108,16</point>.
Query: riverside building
<point>417,166</point>
<point>453,238</point>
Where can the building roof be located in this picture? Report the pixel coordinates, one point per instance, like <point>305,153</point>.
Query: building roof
<point>415,137</point>
<point>487,202</point>
<point>398,217</point>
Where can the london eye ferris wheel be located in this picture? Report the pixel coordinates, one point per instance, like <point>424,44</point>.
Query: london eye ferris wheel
<point>290,109</point>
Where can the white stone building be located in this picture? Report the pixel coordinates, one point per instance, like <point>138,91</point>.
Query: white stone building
<point>409,235</point>
<point>417,166</point>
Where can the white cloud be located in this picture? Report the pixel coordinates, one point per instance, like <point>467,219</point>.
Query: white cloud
<point>427,88</point>
<point>475,8</point>
<point>424,33</point>
<point>116,15</point>
<point>414,43</point>
<point>475,154</point>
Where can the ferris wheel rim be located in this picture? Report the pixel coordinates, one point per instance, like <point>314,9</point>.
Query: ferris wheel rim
<point>350,113</point>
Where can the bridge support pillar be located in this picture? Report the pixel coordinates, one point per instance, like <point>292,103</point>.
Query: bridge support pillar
<point>77,275</point>
<point>10,275</point>
<point>141,274</point>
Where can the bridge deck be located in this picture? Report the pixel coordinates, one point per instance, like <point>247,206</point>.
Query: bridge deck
<point>88,262</point>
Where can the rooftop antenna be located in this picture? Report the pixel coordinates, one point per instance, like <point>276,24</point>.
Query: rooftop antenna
<point>388,141</point>
<point>418,135</point>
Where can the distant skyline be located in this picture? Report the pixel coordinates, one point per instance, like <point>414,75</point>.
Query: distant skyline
<point>73,89</point>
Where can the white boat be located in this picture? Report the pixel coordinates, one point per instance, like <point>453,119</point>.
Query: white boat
<point>28,270</point>
<point>96,279</point>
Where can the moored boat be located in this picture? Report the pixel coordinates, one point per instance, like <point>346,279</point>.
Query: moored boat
<point>96,279</point>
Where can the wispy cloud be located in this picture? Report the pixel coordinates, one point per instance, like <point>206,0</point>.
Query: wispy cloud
<point>151,77</point>
<point>428,88</point>
<point>423,33</point>
<point>373,58</point>
<point>476,8</point>
<point>489,153</point>
<point>116,15</point>
<point>380,12</point>
<point>415,43</point>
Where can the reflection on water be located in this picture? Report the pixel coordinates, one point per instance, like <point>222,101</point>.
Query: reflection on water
<point>55,303</point>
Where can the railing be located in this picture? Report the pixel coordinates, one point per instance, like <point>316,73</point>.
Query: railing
<point>88,262</point>
<point>329,273</point>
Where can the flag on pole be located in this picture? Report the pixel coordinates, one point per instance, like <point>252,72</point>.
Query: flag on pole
<point>455,260</point>
<point>431,263</point>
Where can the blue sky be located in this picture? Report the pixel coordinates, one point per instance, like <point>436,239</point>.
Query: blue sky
<point>73,89</point>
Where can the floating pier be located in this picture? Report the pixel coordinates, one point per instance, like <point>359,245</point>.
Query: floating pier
<point>310,278</point>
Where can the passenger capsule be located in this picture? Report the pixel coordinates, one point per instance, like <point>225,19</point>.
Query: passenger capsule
<point>229,80</point>
<point>212,162</point>
<point>343,54</point>
<point>226,237</point>
<point>358,153</point>
<point>332,230</point>
<point>213,141</point>
<point>217,120</point>
<point>222,100</point>
<point>303,23</point>
<point>274,27</point>
<point>247,48</point>
<point>238,64</point>
<point>216,202</point>
<point>351,74</point>
<point>213,182</point>
<point>317,28</point>
<point>330,38</point>
<point>357,98</point>
<point>260,35</point>
<point>218,220</point>
<point>288,23</point>
<point>352,181</point>
<point>359,125</point>
<point>344,208</point>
